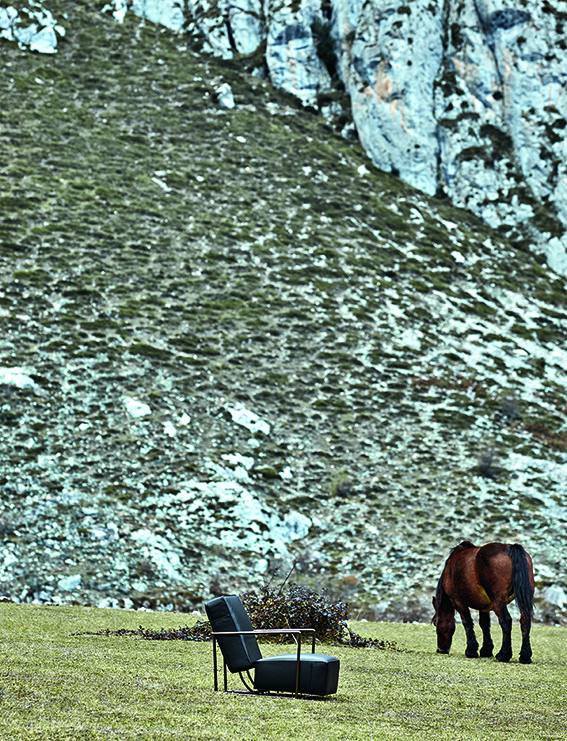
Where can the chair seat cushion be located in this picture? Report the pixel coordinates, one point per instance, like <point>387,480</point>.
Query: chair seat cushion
<point>319,674</point>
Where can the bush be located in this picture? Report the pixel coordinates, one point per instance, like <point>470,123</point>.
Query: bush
<point>302,607</point>
<point>296,607</point>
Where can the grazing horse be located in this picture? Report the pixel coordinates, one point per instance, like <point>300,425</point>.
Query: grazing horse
<point>485,578</point>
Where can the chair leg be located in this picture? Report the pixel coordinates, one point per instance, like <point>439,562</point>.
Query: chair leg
<point>298,666</point>
<point>224,675</point>
<point>215,681</point>
<point>245,683</point>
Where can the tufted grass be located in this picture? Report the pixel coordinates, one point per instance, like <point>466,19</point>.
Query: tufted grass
<point>58,685</point>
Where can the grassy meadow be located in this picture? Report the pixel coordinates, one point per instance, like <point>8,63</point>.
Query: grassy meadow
<point>55,684</point>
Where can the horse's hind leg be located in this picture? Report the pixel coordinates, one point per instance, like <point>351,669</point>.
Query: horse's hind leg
<point>526,650</point>
<point>505,653</point>
<point>471,651</point>
<point>487,644</point>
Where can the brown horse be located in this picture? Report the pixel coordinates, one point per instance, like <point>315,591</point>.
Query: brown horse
<point>485,578</point>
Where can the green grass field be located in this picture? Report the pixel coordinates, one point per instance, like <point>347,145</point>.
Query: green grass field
<point>57,685</point>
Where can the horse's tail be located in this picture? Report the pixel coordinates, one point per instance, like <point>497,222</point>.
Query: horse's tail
<point>521,581</point>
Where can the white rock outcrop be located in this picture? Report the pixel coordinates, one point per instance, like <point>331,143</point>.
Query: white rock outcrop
<point>18,377</point>
<point>462,97</point>
<point>31,25</point>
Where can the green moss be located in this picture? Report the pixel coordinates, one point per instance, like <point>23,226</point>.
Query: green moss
<point>141,348</point>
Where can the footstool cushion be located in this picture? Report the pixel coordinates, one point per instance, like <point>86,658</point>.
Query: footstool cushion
<point>319,674</point>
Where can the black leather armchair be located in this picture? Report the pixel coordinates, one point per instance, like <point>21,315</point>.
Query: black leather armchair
<point>302,674</point>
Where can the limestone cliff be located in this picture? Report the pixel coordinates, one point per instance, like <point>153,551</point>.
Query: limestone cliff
<point>465,98</point>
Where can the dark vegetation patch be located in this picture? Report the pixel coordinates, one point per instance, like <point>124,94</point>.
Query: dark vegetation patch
<point>549,435</point>
<point>291,607</point>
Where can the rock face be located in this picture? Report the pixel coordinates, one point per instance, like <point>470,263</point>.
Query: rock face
<point>32,25</point>
<point>462,97</point>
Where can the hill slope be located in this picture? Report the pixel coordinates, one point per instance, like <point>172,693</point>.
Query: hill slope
<point>227,344</point>
<point>463,98</point>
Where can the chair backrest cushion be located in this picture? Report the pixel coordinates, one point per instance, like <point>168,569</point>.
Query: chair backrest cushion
<point>228,613</point>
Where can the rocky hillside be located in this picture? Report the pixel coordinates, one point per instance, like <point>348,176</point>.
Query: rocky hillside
<point>229,343</point>
<point>464,98</point>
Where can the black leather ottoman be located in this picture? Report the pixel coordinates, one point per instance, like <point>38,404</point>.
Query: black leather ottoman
<point>319,674</point>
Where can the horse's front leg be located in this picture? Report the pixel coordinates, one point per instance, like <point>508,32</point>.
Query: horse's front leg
<point>471,651</point>
<point>505,620</point>
<point>487,644</point>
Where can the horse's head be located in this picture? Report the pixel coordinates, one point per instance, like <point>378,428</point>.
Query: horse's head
<point>444,621</point>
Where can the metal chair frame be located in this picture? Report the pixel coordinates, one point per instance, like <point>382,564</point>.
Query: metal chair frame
<point>294,632</point>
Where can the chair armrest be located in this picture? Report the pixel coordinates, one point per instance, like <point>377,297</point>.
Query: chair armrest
<point>263,631</point>
<point>273,631</point>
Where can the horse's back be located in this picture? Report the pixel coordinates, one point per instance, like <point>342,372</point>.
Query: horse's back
<point>482,577</point>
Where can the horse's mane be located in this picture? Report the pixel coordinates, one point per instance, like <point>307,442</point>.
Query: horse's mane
<point>461,547</point>
<point>440,594</point>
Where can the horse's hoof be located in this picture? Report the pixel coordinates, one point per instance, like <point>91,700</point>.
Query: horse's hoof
<point>439,651</point>
<point>525,659</point>
<point>485,653</point>
<point>471,654</point>
<point>502,657</point>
